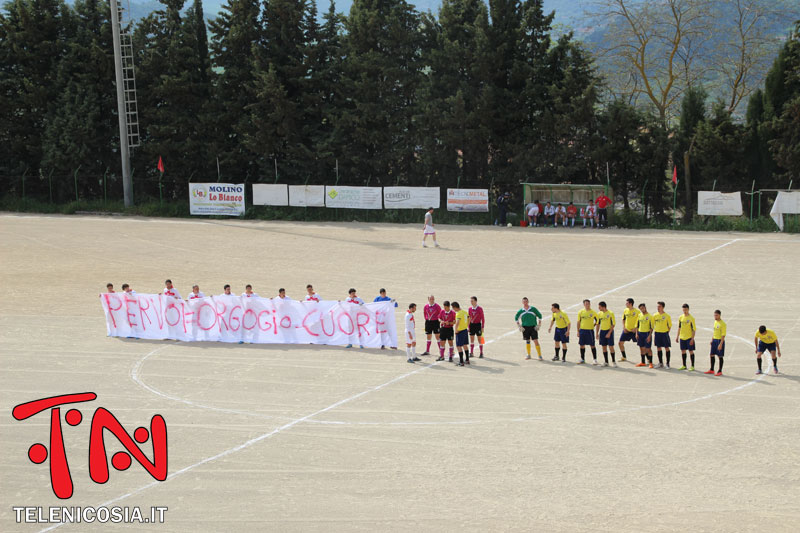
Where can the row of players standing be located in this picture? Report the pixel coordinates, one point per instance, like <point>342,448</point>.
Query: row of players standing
<point>640,327</point>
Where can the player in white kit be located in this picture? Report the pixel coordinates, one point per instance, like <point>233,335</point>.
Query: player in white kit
<point>248,292</point>
<point>196,293</point>
<point>411,334</point>
<point>428,229</point>
<point>171,291</point>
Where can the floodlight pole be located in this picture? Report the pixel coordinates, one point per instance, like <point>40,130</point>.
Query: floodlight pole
<point>124,149</point>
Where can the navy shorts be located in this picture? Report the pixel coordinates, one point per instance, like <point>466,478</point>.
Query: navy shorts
<point>642,340</point>
<point>627,336</point>
<point>606,341</point>
<point>686,344</point>
<point>586,337</point>
<point>716,349</point>
<point>763,347</point>
<point>561,335</point>
<point>662,340</point>
<point>462,338</point>
<point>431,326</point>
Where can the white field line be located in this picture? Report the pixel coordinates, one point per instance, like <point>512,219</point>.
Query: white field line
<point>293,423</point>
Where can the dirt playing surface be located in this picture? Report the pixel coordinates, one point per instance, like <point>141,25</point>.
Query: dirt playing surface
<point>305,438</point>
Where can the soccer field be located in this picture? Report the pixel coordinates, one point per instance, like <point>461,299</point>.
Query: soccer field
<point>321,438</point>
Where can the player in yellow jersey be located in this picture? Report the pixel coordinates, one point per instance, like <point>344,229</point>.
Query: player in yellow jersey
<point>644,336</point>
<point>718,342</point>
<point>686,331</point>
<point>605,332</point>
<point>462,334</point>
<point>767,341</point>
<point>630,321</point>
<point>561,337</point>
<point>587,319</point>
<point>662,325</point>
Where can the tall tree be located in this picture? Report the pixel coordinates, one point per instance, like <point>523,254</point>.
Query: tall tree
<point>33,40</point>
<point>381,74</point>
<point>233,34</point>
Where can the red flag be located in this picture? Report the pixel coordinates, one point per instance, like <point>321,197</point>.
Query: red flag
<point>160,165</point>
<point>674,175</point>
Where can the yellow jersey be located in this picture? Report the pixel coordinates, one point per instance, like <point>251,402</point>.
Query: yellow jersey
<point>631,318</point>
<point>606,319</point>
<point>587,319</point>
<point>462,319</point>
<point>720,329</point>
<point>687,327</point>
<point>645,322</point>
<point>663,322</point>
<point>561,319</point>
<point>768,337</point>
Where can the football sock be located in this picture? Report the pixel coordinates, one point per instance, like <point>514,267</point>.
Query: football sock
<point>721,360</point>
<point>472,347</point>
<point>557,349</point>
<point>660,358</point>
<point>605,357</point>
<point>758,360</point>
<point>613,357</point>
<point>428,347</point>
<point>650,358</point>
<point>666,350</point>
<point>683,356</point>
<point>712,362</point>
<point>539,350</point>
<point>563,354</point>
<point>528,347</point>
<point>775,363</point>
<point>594,352</point>
<point>583,354</point>
<point>692,356</point>
<point>623,354</point>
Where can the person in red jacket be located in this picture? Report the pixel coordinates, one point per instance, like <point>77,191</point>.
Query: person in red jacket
<point>602,203</point>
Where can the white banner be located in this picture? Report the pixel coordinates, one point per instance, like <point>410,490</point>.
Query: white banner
<point>411,197</point>
<point>719,203</point>
<point>786,202</point>
<point>229,318</point>
<point>307,195</point>
<point>468,200</point>
<point>353,197</point>
<point>270,194</point>
<point>216,199</point>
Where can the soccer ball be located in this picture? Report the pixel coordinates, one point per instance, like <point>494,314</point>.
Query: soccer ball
<point>509,224</point>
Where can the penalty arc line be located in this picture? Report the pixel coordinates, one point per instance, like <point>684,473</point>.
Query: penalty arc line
<point>293,423</point>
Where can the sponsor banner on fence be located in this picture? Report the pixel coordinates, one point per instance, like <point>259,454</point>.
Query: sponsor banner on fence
<point>307,195</point>
<point>786,202</point>
<point>230,318</point>
<point>216,199</point>
<point>410,197</point>
<point>468,200</point>
<point>353,197</point>
<point>719,203</point>
<point>270,194</point>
